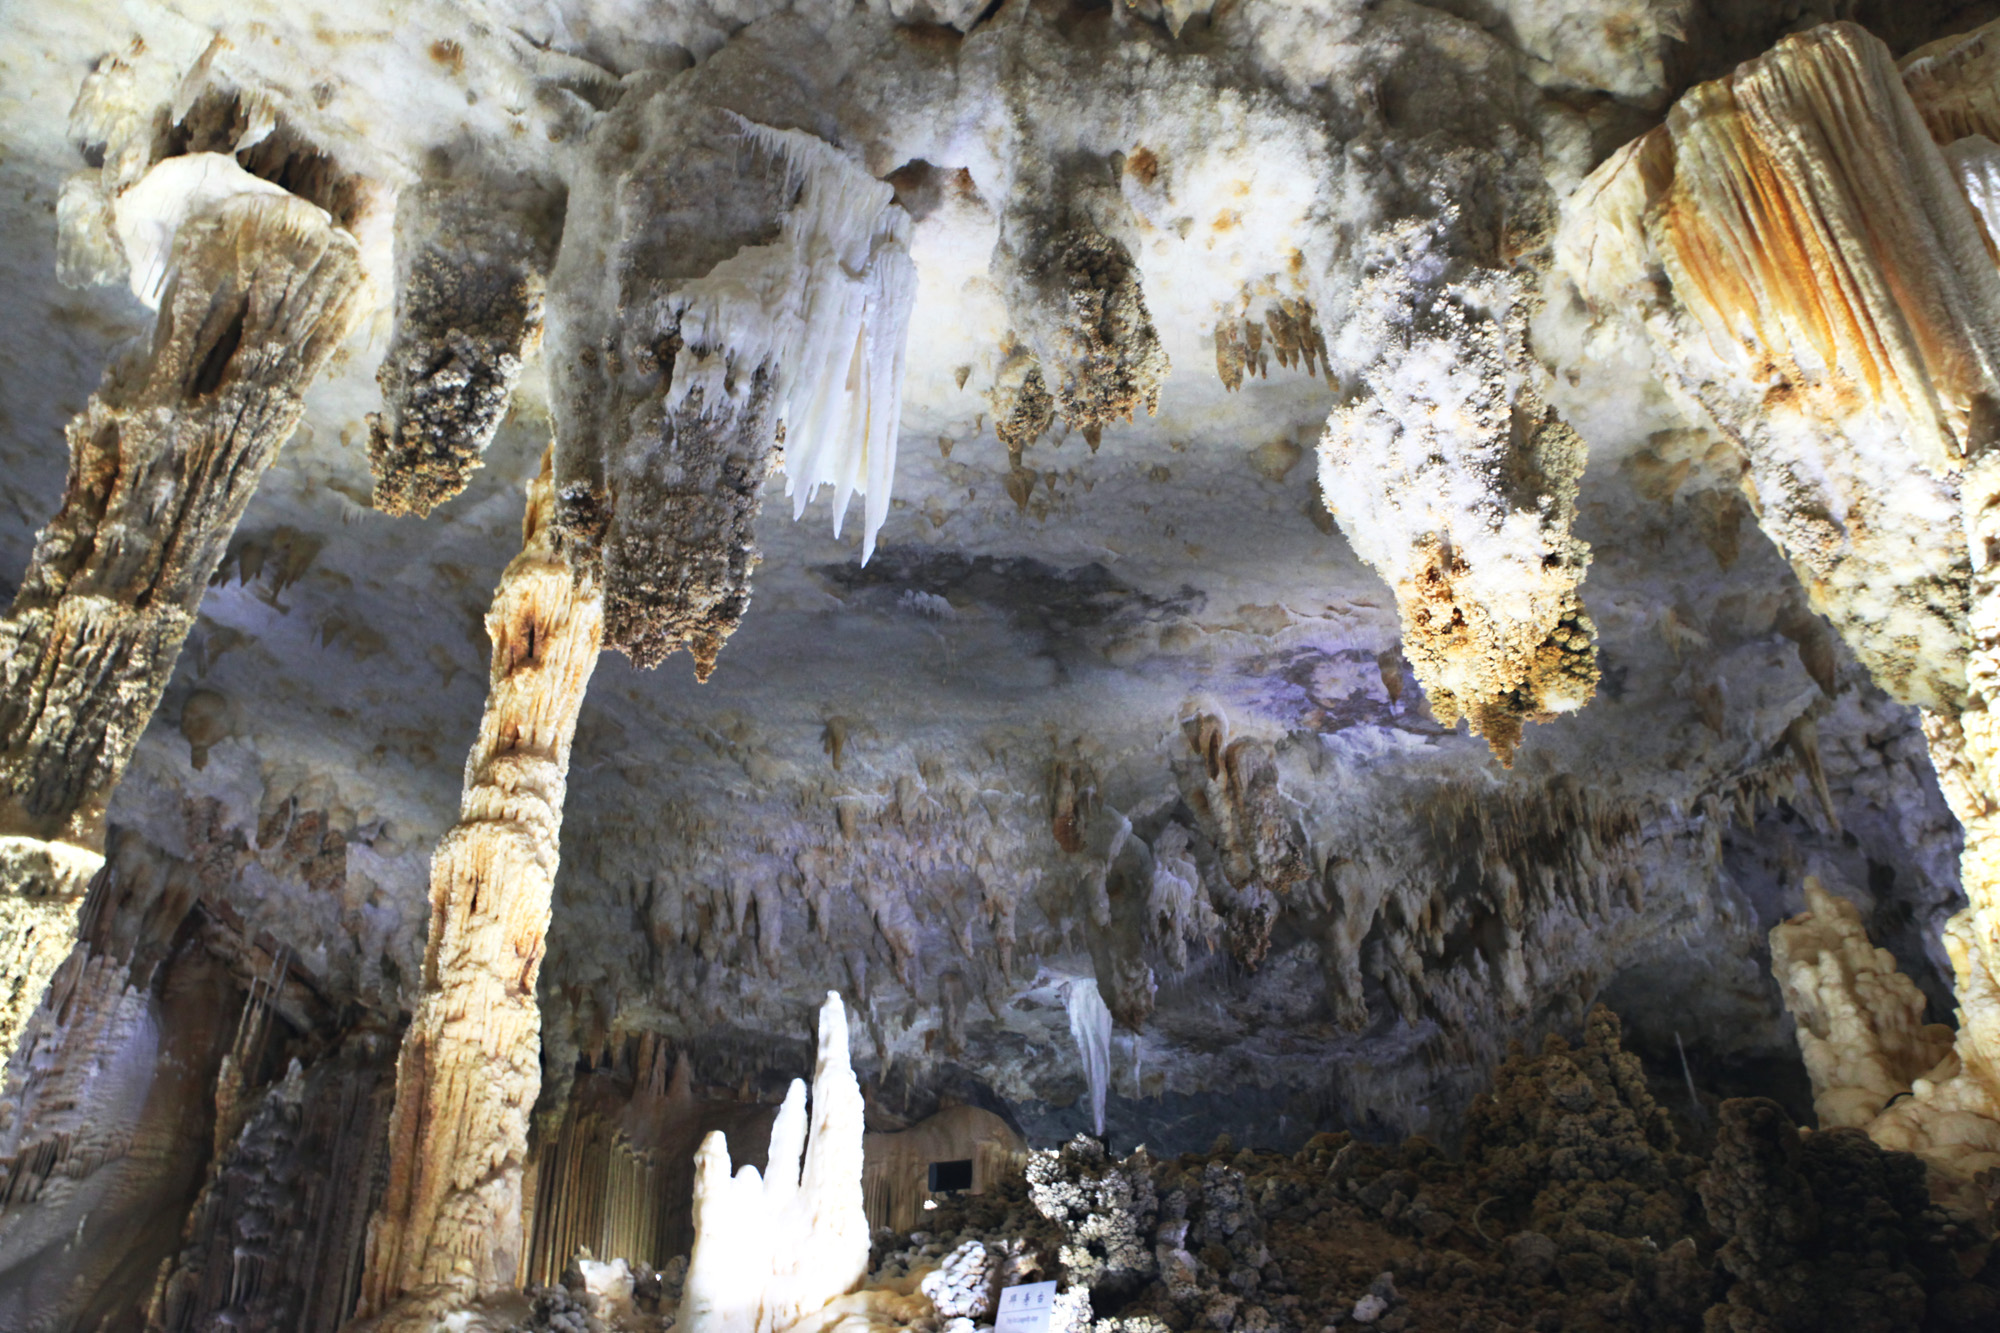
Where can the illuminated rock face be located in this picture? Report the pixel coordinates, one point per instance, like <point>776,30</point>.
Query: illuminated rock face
<point>449,1228</point>
<point>1817,274</point>
<point>1125,678</point>
<point>1459,488</point>
<point>1806,264</point>
<point>163,462</point>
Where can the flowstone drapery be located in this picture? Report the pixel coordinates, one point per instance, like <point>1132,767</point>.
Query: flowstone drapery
<point>1813,272</point>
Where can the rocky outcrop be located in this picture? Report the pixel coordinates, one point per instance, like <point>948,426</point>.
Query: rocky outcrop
<point>467,1076</point>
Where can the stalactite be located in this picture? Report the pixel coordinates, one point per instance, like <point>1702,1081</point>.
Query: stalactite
<point>261,289</point>
<point>1264,858</point>
<point>1075,293</point>
<point>1090,1029</point>
<point>472,257</point>
<point>725,338</point>
<point>1464,488</point>
<point>449,1228</point>
<point>1810,273</point>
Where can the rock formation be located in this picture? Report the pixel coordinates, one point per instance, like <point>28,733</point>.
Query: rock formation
<point>449,1227</point>
<point>786,322</point>
<point>1129,680</point>
<point>473,259</point>
<point>1455,483</point>
<point>1812,270</point>
<point>258,289</point>
<point>772,1251</point>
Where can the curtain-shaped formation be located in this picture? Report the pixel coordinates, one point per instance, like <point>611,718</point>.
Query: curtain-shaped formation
<point>723,287</point>
<point>470,1066</point>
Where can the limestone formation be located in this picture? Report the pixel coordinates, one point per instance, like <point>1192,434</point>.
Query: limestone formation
<point>1860,1020</point>
<point>1108,766</point>
<point>688,343</point>
<point>1813,272</point>
<point>1806,265</point>
<point>449,1228</point>
<point>260,290</point>
<point>472,263</point>
<point>1076,293</point>
<point>1454,482</point>
<point>773,1251</point>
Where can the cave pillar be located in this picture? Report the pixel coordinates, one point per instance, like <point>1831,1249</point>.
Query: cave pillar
<point>1805,247</point>
<point>163,462</point>
<point>449,1228</point>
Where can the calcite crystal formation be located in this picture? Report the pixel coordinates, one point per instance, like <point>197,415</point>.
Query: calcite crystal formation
<point>1453,480</point>
<point>774,1250</point>
<point>785,316</point>
<point>449,1228</point>
<point>1813,272</point>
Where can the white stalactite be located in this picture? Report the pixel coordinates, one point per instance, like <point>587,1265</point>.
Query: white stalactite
<point>1090,1025</point>
<point>827,307</point>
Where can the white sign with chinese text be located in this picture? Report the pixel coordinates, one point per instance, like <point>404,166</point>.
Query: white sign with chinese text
<point>1026,1308</point>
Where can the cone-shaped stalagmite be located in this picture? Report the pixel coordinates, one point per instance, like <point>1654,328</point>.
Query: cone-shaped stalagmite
<point>163,462</point>
<point>449,1228</point>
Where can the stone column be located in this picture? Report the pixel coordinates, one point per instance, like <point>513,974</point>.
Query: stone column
<point>163,462</point>
<point>469,1071</point>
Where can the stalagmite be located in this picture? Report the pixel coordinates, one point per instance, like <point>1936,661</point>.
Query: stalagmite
<point>1860,1020</point>
<point>1811,270</point>
<point>1466,488</point>
<point>449,1229</point>
<point>774,1250</point>
<point>724,342</point>
<point>256,289</point>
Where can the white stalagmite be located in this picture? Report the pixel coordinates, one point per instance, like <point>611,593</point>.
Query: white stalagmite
<point>1090,1025</point>
<point>770,1251</point>
<point>827,307</point>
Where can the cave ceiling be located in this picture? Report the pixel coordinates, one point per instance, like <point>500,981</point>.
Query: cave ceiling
<point>1127,690</point>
